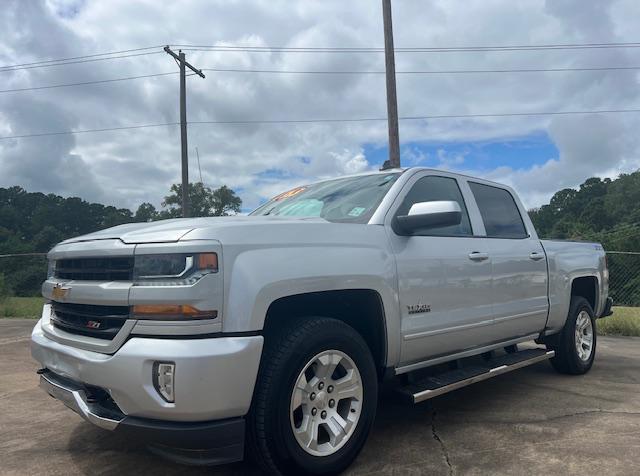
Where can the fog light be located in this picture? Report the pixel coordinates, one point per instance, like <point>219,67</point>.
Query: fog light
<point>163,380</point>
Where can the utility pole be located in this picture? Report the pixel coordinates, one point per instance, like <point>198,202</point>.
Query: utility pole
<point>392,99</point>
<point>182,62</point>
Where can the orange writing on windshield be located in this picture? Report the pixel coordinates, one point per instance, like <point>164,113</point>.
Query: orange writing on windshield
<point>289,194</point>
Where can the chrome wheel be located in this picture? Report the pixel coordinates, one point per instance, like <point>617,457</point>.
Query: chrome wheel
<point>584,336</point>
<point>326,403</point>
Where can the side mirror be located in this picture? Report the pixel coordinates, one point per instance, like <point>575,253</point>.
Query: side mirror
<point>430,215</point>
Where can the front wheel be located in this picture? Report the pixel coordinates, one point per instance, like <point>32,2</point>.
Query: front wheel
<point>315,399</point>
<point>575,346</point>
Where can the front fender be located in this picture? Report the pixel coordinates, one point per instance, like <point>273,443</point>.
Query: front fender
<point>254,282</point>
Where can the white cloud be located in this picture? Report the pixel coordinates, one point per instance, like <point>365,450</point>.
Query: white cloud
<point>350,163</point>
<point>128,167</point>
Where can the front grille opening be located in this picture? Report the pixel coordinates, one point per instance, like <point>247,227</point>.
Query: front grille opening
<point>102,322</point>
<point>95,269</point>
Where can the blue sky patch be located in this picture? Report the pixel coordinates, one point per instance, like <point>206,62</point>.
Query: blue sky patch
<point>274,173</point>
<point>518,153</point>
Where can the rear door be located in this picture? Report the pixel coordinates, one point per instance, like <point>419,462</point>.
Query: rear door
<point>520,303</point>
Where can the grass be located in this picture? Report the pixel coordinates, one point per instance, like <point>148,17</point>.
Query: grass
<point>21,307</point>
<point>624,322</point>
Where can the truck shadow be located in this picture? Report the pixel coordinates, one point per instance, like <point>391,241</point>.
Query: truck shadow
<point>402,434</point>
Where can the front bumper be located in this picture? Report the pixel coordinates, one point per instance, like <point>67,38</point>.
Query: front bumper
<point>214,377</point>
<point>214,442</point>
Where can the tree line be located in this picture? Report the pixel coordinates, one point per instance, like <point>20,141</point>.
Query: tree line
<point>34,222</point>
<point>606,211</point>
<point>603,210</point>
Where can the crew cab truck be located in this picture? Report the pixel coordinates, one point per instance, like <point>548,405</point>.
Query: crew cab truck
<point>276,329</point>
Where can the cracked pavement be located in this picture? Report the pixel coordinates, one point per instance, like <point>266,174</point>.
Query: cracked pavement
<point>531,421</point>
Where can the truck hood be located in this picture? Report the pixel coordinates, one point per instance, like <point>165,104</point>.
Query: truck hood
<point>169,231</point>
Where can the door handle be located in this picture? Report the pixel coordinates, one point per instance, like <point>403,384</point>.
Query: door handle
<point>535,256</point>
<point>478,256</point>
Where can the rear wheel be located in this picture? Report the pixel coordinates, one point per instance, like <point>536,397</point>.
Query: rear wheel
<point>575,346</point>
<point>315,399</point>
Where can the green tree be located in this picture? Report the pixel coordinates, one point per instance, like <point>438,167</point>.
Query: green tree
<point>225,201</point>
<point>204,201</point>
<point>146,212</point>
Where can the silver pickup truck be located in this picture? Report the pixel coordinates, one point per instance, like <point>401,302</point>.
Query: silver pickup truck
<point>274,330</point>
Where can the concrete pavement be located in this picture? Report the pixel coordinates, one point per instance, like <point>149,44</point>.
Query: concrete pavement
<point>531,421</point>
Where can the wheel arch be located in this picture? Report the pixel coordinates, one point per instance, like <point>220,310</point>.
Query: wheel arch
<point>586,287</point>
<point>361,309</point>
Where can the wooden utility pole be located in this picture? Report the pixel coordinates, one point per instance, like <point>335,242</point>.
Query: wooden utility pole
<point>180,59</point>
<point>392,99</point>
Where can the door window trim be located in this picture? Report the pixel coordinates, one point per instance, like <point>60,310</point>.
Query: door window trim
<point>393,210</point>
<point>527,234</point>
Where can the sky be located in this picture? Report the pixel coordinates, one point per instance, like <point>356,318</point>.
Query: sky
<point>538,155</point>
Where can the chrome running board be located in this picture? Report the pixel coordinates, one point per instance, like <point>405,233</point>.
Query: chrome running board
<point>448,381</point>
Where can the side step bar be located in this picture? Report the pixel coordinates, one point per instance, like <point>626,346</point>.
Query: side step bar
<point>436,385</point>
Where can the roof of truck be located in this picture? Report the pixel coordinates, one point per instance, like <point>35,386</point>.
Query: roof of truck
<point>406,169</point>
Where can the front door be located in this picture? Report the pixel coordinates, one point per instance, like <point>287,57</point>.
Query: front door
<point>444,278</point>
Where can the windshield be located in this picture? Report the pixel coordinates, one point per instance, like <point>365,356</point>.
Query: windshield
<point>351,200</point>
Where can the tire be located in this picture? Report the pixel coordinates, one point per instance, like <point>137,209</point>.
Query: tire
<point>288,360</point>
<point>568,358</point>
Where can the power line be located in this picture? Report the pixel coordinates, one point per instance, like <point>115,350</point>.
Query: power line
<point>81,57</point>
<point>84,83</point>
<point>416,118</point>
<point>84,131</point>
<point>447,49</point>
<point>331,120</point>
<point>133,52</point>
<point>88,60</point>
<point>276,71</point>
<point>455,71</point>
<point>199,169</point>
<point>307,49</point>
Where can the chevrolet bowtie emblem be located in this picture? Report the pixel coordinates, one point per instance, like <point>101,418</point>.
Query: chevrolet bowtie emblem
<point>59,292</point>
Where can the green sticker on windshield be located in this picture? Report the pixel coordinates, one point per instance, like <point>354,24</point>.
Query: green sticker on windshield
<point>356,211</point>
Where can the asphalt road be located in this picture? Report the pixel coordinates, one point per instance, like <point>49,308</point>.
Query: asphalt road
<point>532,421</point>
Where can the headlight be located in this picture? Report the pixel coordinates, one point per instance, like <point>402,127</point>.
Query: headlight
<point>173,269</point>
<point>51,269</point>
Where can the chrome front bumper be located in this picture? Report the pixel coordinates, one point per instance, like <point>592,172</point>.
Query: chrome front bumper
<point>195,443</point>
<point>214,377</point>
<point>75,397</point>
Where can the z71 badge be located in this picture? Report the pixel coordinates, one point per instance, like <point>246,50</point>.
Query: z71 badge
<point>419,308</point>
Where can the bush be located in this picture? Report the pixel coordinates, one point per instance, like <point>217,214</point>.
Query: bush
<point>624,322</point>
<point>5,290</point>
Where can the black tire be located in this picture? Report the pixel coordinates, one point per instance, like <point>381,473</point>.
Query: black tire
<point>567,360</point>
<point>270,438</point>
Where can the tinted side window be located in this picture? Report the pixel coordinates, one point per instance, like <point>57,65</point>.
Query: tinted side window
<point>499,212</point>
<point>432,188</point>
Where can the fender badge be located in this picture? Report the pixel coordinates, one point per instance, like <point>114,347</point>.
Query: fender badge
<point>59,292</point>
<point>418,308</point>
